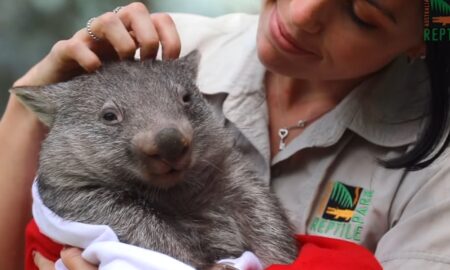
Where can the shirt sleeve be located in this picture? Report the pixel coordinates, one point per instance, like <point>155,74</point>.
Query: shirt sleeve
<point>419,234</point>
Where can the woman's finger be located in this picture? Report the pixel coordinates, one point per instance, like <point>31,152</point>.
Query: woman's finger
<point>111,29</point>
<point>129,28</point>
<point>43,263</point>
<point>71,257</point>
<point>74,50</point>
<point>136,17</point>
<point>168,34</point>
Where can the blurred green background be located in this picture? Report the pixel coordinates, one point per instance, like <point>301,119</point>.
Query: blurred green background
<point>28,28</point>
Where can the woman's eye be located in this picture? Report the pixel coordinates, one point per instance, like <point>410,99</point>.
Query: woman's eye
<point>358,20</point>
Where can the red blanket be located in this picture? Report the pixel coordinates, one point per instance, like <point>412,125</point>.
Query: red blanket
<point>317,253</point>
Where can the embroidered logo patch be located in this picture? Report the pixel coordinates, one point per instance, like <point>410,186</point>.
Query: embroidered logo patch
<point>342,202</point>
<point>436,20</point>
<point>342,212</point>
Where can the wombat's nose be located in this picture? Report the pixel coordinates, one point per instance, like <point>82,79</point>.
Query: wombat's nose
<point>171,144</point>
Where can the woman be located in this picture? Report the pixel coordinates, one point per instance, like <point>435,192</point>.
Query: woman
<point>347,97</point>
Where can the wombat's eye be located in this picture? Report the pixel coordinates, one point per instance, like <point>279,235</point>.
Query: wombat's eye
<point>184,95</point>
<point>111,115</point>
<point>186,98</point>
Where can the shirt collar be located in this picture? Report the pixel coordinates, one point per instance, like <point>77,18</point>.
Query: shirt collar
<point>387,110</point>
<point>392,108</point>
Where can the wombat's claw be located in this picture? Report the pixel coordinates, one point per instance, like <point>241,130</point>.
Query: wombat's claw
<point>222,266</point>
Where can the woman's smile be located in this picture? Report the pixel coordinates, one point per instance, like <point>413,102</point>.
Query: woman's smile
<point>283,39</point>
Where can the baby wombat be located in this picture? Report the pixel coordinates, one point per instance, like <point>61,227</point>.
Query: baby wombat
<point>136,146</point>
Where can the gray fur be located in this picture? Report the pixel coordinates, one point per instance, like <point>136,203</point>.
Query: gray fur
<point>89,171</point>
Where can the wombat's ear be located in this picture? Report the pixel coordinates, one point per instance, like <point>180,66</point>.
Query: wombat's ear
<point>38,100</point>
<point>190,63</point>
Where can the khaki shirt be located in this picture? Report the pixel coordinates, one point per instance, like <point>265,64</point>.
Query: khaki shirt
<point>329,178</point>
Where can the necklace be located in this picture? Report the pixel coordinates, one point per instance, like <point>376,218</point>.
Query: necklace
<point>302,123</point>
<point>284,132</point>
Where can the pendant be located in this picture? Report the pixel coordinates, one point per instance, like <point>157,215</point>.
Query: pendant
<point>283,133</point>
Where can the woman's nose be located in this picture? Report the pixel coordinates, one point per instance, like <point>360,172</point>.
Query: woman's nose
<point>309,15</point>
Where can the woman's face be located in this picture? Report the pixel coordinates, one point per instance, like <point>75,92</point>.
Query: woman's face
<point>337,39</point>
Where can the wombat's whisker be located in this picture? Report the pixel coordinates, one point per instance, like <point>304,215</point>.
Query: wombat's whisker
<point>213,165</point>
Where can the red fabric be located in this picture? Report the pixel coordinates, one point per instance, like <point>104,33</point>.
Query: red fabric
<point>321,253</point>
<point>317,253</point>
<point>36,241</point>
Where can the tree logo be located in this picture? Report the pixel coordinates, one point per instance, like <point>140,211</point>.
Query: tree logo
<point>342,202</point>
<point>436,20</point>
<point>342,211</point>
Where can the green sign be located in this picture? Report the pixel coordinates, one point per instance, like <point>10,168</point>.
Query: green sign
<point>436,20</point>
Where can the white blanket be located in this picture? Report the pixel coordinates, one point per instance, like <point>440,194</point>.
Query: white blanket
<point>102,247</point>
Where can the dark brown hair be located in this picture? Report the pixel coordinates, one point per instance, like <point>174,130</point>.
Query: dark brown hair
<point>434,137</point>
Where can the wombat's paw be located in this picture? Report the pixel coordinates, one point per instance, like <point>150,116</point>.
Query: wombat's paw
<point>220,266</point>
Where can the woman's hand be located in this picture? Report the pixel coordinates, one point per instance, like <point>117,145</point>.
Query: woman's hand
<point>120,35</point>
<point>71,257</point>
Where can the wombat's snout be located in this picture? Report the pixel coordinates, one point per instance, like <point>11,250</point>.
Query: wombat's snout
<point>164,151</point>
<point>171,144</point>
